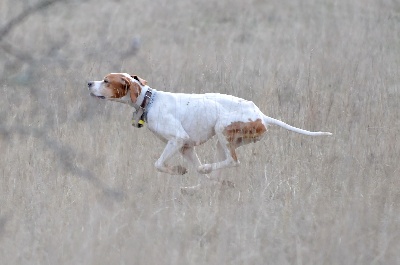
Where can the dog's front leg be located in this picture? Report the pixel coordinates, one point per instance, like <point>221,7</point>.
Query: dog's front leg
<point>173,146</point>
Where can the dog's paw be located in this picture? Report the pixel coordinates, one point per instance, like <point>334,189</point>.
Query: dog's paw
<point>204,169</point>
<point>179,170</point>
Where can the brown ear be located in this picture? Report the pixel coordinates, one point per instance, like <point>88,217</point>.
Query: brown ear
<point>135,91</point>
<point>141,81</point>
<point>126,81</point>
<point>127,84</point>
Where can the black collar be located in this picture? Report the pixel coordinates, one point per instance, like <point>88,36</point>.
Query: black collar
<point>140,115</point>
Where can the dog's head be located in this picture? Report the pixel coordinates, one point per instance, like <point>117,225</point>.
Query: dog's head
<point>120,87</point>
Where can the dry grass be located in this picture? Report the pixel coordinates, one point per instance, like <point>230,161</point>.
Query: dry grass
<point>78,184</point>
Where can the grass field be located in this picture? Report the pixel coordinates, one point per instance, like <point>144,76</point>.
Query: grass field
<point>78,185</point>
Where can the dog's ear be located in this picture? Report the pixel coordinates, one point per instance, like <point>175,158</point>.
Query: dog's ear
<point>141,80</point>
<point>135,91</point>
<point>133,88</point>
<point>126,82</point>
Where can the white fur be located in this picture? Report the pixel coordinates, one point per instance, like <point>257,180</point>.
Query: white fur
<point>184,121</point>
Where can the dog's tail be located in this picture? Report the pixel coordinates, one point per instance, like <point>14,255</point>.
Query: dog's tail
<point>269,120</point>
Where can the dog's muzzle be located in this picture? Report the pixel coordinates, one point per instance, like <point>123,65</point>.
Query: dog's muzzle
<point>93,95</point>
<point>90,85</point>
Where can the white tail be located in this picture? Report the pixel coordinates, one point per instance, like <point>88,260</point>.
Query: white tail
<point>269,120</point>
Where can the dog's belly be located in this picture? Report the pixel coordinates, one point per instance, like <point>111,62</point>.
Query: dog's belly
<point>198,119</point>
<point>200,134</point>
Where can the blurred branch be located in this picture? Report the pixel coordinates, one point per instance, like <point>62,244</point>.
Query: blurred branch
<point>65,156</point>
<point>8,48</point>
<point>24,15</point>
<point>18,20</point>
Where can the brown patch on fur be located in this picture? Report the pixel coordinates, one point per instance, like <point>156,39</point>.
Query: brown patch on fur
<point>117,84</point>
<point>135,91</point>
<point>238,133</point>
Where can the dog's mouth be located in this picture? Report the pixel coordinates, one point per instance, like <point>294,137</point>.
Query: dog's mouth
<point>101,97</point>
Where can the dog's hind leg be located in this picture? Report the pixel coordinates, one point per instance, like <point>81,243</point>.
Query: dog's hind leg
<point>231,135</point>
<point>216,176</point>
<point>226,150</point>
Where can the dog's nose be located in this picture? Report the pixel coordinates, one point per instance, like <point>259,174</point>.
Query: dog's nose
<point>89,84</point>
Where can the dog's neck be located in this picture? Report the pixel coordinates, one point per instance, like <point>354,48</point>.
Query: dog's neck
<point>140,113</point>
<point>139,100</point>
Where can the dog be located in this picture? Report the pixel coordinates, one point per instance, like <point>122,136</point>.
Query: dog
<point>184,121</point>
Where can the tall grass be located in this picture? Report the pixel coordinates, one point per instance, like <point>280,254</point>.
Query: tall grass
<point>78,184</point>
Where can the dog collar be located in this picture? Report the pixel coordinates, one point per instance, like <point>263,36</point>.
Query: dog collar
<point>140,113</point>
<point>141,99</point>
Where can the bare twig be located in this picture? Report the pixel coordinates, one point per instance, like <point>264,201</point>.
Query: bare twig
<point>23,15</point>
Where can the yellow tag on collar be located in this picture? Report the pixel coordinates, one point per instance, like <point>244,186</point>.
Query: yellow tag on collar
<point>139,124</point>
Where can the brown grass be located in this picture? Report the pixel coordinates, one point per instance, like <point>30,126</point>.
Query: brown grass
<point>78,184</point>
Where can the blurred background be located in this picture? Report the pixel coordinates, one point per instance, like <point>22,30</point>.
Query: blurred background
<point>77,181</point>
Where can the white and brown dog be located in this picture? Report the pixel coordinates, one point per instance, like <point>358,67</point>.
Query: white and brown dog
<point>184,121</point>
